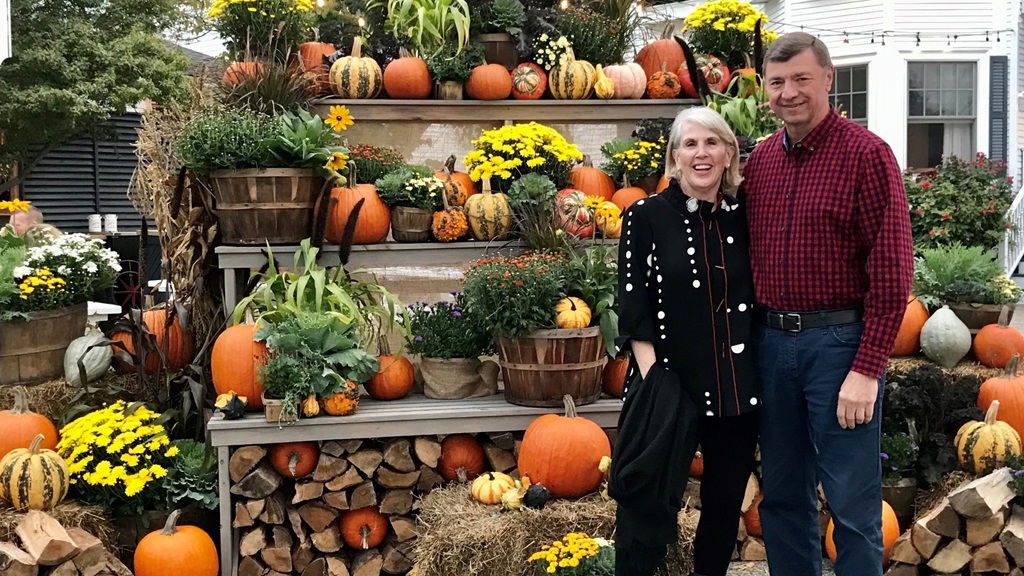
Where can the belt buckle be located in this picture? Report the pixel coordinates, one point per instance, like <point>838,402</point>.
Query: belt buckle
<point>799,322</point>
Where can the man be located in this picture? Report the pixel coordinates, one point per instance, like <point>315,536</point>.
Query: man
<point>832,261</point>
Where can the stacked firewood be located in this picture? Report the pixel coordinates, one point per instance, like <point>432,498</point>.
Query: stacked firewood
<point>974,529</point>
<point>292,526</point>
<point>48,549</point>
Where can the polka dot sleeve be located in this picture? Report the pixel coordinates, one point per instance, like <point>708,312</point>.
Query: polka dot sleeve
<point>636,320</point>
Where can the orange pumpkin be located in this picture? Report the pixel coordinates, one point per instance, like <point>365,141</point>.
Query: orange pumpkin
<point>449,224</point>
<point>175,343</point>
<point>663,84</point>
<point>697,465</point>
<point>563,453</point>
<point>661,54</point>
<point>613,378</point>
<point>462,458</point>
<point>457,183</point>
<point>407,78</point>
<point>235,363</point>
<point>294,459</point>
<point>489,82</point>
<point>1008,388</point>
<point>394,378</point>
<point>890,532</point>
<point>752,519</point>
<point>908,339</point>
<point>19,426</point>
<point>311,57</point>
<point>624,197</point>
<point>374,219</point>
<point>344,402</point>
<point>995,344</point>
<point>529,81</point>
<point>176,550</point>
<point>592,181</point>
<point>240,72</point>
<point>363,528</point>
<point>663,183</point>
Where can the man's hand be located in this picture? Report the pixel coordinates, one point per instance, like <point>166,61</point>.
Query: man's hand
<point>857,399</point>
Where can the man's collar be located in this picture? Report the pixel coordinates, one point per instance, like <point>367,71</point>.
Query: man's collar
<point>816,135</point>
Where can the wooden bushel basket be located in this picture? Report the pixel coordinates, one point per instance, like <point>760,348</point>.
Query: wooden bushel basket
<point>32,351</point>
<point>541,367</point>
<point>261,205</point>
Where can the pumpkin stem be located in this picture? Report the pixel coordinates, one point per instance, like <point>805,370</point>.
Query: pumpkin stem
<point>587,162</point>
<point>625,181</point>
<point>20,401</point>
<point>364,532</point>
<point>993,411</point>
<point>570,406</point>
<point>449,165</point>
<point>357,47</point>
<point>460,475</point>
<point>383,347</point>
<point>170,527</point>
<point>1011,366</point>
<point>352,175</point>
<point>293,462</point>
<point>664,67</point>
<point>1004,315</point>
<point>33,448</point>
<point>667,32</point>
<point>486,186</point>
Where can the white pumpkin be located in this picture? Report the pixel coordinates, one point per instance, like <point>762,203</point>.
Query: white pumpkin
<point>96,360</point>
<point>945,339</point>
<point>630,80</point>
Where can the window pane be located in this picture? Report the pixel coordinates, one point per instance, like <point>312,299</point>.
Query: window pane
<point>931,75</point>
<point>965,103</point>
<point>948,75</point>
<point>860,106</point>
<point>860,78</point>
<point>948,102</point>
<point>844,104</point>
<point>916,72</point>
<point>931,103</point>
<point>842,80</point>
<point>965,75</point>
<point>916,103</point>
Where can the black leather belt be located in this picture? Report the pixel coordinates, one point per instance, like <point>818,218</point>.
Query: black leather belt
<point>798,321</point>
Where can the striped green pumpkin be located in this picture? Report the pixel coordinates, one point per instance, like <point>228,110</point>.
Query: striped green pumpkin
<point>355,77</point>
<point>983,446</point>
<point>573,80</point>
<point>490,217</point>
<point>33,478</point>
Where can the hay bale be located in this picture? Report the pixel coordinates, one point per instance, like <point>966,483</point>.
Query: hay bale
<point>461,536</point>
<point>928,499</point>
<point>53,398</point>
<point>70,514</point>
<point>904,364</point>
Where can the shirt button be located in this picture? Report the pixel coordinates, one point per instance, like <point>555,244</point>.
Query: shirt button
<point>782,228</point>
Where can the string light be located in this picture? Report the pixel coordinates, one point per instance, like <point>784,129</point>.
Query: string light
<point>564,5</point>
<point>846,38</point>
<point>919,39</point>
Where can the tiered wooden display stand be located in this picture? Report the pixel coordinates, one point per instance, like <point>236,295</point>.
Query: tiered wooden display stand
<point>262,522</point>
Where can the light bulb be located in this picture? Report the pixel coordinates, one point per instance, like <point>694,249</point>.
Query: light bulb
<point>564,4</point>
<point>362,22</point>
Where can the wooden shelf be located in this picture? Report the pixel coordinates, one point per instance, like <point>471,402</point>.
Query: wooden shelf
<point>572,111</point>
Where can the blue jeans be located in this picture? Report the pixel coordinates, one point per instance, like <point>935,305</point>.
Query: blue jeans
<point>802,444</point>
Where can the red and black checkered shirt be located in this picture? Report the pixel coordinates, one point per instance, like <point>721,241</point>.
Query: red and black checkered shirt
<point>830,229</point>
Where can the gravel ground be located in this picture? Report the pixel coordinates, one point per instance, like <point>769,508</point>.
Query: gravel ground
<point>761,568</point>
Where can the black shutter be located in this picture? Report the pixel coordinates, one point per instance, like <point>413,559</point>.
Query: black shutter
<point>999,99</point>
<point>88,176</point>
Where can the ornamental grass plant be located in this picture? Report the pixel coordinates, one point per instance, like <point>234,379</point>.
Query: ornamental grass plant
<point>508,153</point>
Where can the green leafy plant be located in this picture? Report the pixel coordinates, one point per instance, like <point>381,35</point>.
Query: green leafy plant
<point>1015,462</point>
<point>222,139</point>
<point>312,353</point>
<point>193,477</point>
<point>412,186</point>
<point>653,129</point>
<point>956,273</point>
<point>498,16</point>
<point>513,296</point>
<point>532,200</point>
<point>270,88</point>
<point>374,162</point>
<point>261,28</point>
<point>427,24</point>
<point>593,275</point>
<point>595,37</point>
<point>451,65</point>
<point>303,140</point>
<point>898,456</point>
<point>747,112</point>
<point>632,160</point>
<point>725,28</point>
<point>447,329</point>
<point>964,201</point>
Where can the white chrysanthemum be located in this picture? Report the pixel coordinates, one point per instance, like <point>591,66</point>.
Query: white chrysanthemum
<point>22,271</point>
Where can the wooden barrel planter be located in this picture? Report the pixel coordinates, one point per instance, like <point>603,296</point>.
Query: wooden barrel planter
<point>32,351</point>
<point>543,366</point>
<point>410,224</point>
<point>260,205</point>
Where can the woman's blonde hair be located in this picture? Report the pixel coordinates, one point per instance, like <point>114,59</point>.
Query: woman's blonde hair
<point>711,120</point>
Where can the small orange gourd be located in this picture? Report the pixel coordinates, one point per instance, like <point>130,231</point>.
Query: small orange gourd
<point>890,532</point>
<point>20,425</point>
<point>363,528</point>
<point>908,339</point>
<point>663,84</point>
<point>294,459</point>
<point>462,458</point>
<point>344,402</point>
<point>592,181</point>
<point>451,223</point>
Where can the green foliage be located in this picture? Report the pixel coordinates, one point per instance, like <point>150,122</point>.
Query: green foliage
<point>965,201</point>
<point>1015,463</point>
<point>412,186</point>
<point>653,129</point>
<point>451,65</point>
<point>747,113</point>
<point>305,141</point>
<point>593,275</point>
<point>632,160</point>
<point>514,296</point>
<point>77,62</point>
<point>262,29</point>
<point>532,200</point>
<point>899,456</point>
<point>956,273</point>
<point>595,37</point>
<point>312,353</point>
<point>272,88</point>
<point>225,138</point>
<point>12,253</point>
<point>374,162</point>
<point>338,26</point>
<point>447,330</point>
<point>193,476</point>
<point>427,24</point>
<point>931,405</point>
<point>498,16</point>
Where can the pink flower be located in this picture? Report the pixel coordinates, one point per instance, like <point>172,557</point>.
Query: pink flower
<point>932,231</point>
<point>918,211</point>
<point>1009,179</point>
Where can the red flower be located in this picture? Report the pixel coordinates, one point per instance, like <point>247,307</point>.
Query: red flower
<point>1007,225</point>
<point>1009,179</point>
<point>925,185</point>
<point>918,211</point>
<point>984,212</point>
<point>943,231</point>
<point>932,231</point>
<point>945,216</point>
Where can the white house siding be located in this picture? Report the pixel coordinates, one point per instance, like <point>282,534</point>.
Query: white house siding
<point>834,15</point>
<point>945,16</point>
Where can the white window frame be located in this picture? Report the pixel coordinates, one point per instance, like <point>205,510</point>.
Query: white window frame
<point>833,94</point>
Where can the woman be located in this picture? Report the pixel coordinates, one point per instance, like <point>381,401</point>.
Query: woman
<point>686,297</point>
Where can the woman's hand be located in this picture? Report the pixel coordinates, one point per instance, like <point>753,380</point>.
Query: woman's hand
<point>645,356</point>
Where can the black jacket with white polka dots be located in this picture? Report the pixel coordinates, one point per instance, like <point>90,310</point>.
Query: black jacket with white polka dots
<point>685,285</point>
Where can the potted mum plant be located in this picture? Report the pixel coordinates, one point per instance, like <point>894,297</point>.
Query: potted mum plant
<point>899,460</point>
<point>635,162</point>
<point>725,29</point>
<point>413,192</point>
<point>450,340</point>
<point>498,156</point>
<point>45,282</point>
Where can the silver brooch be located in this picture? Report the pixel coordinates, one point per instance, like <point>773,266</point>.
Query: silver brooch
<point>692,204</point>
